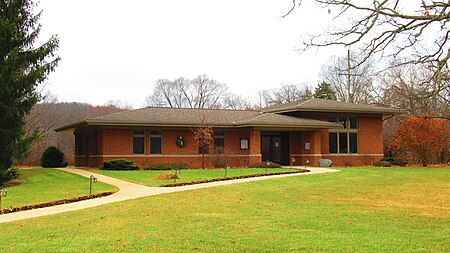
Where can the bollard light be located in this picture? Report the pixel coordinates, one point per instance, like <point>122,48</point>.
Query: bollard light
<point>92,180</point>
<point>268,164</point>
<point>177,171</point>
<point>307,163</point>
<point>3,193</point>
<point>226,169</point>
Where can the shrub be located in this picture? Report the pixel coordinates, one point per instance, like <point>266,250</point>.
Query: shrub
<point>166,176</point>
<point>388,159</point>
<point>382,164</point>
<point>13,182</point>
<point>52,158</point>
<point>8,175</point>
<point>397,161</point>
<point>119,164</point>
<point>167,166</point>
<point>400,161</point>
<point>264,165</point>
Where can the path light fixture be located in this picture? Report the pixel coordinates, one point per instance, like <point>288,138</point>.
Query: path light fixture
<point>226,169</point>
<point>177,171</point>
<point>92,180</point>
<point>268,164</point>
<point>3,193</point>
<point>307,163</point>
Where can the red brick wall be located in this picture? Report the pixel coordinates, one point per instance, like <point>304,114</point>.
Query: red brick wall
<point>370,144</point>
<point>118,143</point>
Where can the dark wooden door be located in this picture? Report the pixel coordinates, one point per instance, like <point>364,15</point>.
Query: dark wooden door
<point>275,147</point>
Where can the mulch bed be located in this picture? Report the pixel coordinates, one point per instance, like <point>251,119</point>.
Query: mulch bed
<point>54,203</point>
<point>234,178</point>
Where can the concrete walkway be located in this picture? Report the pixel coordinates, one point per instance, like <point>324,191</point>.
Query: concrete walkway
<point>129,191</point>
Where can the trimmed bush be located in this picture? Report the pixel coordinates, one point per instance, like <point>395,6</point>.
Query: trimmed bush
<point>397,161</point>
<point>388,159</point>
<point>264,165</point>
<point>400,161</point>
<point>13,182</point>
<point>382,164</point>
<point>119,164</point>
<point>166,176</point>
<point>8,175</point>
<point>167,166</point>
<point>53,158</point>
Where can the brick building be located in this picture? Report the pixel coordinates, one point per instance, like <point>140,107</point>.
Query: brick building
<point>295,133</point>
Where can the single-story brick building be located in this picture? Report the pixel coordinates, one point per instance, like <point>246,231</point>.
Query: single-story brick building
<point>294,133</point>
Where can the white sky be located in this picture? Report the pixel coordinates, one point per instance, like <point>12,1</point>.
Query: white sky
<point>115,50</point>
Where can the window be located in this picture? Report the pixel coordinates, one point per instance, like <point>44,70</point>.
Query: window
<point>138,142</point>
<point>203,148</point>
<point>344,140</point>
<point>333,143</point>
<point>219,142</point>
<point>155,142</point>
<point>244,143</point>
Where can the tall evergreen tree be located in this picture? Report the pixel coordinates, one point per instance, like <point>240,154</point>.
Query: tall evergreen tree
<point>22,68</point>
<point>325,91</point>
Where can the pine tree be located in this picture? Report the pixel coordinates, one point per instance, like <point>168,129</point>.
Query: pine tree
<point>325,91</point>
<point>22,67</point>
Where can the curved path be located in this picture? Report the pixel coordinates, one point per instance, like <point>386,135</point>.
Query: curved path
<point>128,190</point>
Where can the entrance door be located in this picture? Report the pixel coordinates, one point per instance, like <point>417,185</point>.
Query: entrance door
<point>275,147</point>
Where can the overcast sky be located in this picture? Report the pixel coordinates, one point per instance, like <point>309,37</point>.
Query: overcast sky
<point>115,50</point>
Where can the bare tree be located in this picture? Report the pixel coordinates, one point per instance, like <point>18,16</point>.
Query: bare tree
<point>236,102</point>
<point>352,81</point>
<point>410,32</point>
<point>201,92</point>
<point>286,94</point>
<point>42,119</point>
<point>203,135</point>
<point>404,87</point>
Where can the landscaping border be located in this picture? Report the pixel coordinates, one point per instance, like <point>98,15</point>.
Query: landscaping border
<point>54,203</point>
<point>234,178</point>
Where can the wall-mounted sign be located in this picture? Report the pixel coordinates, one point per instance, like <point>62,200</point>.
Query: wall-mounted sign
<point>181,141</point>
<point>307,145</point>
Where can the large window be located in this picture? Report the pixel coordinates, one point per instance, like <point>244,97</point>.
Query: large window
<point>344,140</point>
<point>138,142</point>
<point>205,148</point>
<point>219,142</point>
<point>155,142</point>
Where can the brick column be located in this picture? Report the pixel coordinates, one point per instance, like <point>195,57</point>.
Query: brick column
<point>255,146</point>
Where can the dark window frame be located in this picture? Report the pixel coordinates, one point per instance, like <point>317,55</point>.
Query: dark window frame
<point>156,135</point>
<point>350,128</point>
<point>138,134</point>
<point>219,136</point>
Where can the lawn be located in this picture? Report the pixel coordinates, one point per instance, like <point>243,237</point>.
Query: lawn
<point>356,210</point>
<point>45,185</point>
<point>148,177</point>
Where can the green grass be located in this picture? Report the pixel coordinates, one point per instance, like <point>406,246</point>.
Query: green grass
<point>148,177</point>
<point>356,210</point>
<point>45,185</point>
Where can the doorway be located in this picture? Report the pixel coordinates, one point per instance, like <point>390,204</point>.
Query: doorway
<point>275,147</point>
